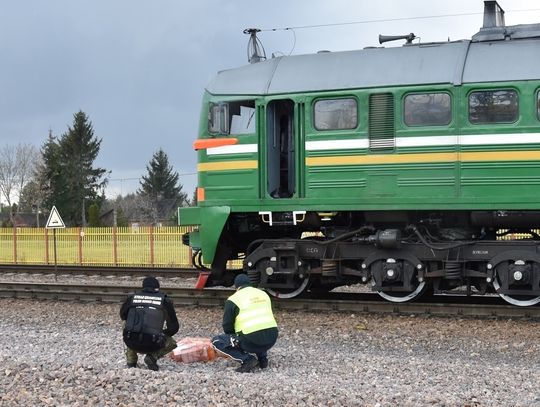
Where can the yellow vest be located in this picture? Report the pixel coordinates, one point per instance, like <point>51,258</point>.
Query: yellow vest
<point>255,310</point>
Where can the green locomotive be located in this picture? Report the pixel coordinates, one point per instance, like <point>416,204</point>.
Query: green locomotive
<point>405,168</point>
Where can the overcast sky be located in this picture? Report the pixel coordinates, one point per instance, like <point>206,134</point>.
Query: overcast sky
<point>139,68</point>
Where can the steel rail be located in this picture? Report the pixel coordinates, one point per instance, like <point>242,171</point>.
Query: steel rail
<point>334,302</point>
<point>98,270</point>
<point>106,293</point>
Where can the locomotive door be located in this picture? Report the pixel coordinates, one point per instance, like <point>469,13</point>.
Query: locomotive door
<point>280,149</point>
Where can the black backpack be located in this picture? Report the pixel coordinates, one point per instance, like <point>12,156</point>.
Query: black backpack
<point>143,331</point>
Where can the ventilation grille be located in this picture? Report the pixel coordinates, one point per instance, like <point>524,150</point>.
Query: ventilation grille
<point>382,132</point>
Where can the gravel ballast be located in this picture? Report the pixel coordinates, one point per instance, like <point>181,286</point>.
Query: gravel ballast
<point>71,354</point>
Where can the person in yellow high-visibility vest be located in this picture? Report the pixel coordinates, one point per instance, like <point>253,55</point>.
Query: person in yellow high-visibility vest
<point>249,326</point>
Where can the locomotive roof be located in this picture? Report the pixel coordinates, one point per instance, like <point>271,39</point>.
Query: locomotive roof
<point>487,58</point>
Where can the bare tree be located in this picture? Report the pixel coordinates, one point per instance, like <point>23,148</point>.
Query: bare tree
<point>141,208</point>
<point>17,165</point>
<point>8,175</point>
<point>27,160</point>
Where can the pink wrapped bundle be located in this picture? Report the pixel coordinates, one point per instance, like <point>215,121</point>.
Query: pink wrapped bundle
<point>193,350</point>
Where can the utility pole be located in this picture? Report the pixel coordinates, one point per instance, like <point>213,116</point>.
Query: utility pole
<point>84,211</point>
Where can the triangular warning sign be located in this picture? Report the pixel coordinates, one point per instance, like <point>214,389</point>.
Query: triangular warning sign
<point>54,221</point>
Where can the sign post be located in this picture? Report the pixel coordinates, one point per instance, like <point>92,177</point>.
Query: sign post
<point>54,222</point>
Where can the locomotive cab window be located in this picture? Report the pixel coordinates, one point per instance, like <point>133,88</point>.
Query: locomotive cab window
<point>493,106</point>
<point>232,117</point>
<point>427,109</point>
<point>335,114</point>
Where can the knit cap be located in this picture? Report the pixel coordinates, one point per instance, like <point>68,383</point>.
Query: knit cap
<point>241,280</point>
<point>151,282</point>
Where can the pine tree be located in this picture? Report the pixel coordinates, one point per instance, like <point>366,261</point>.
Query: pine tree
<point>49,174</point>
<point>161,187</point>
<point>93,216</point>
<point>121,219</point>
<point>194,200</point>
<point>73,182</point>
<point>78,150</point>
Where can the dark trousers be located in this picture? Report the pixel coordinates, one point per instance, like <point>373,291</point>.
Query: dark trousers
<point>170,344</point>
<point>239,350</point>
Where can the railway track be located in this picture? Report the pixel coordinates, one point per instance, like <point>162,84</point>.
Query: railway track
<point>98,270</point>
<point>337,302</point>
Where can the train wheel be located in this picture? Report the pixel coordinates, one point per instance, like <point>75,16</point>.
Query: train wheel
<point>395,275</point>
<point>516,271</point>
<point>288,292</point>
<point>399,296</point>
<point>519,300</point>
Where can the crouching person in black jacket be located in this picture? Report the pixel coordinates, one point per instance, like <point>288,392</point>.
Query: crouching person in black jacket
<point>145,314</point>
<point>249,326</point>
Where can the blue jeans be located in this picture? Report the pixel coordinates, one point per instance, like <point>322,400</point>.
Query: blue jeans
<point>239,350</point>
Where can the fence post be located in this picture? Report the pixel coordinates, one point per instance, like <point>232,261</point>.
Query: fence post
<point>152,246</point>
<point>14,245</point>
<point>115,246</point>
<point>46,246</point>
<point>79,241</point>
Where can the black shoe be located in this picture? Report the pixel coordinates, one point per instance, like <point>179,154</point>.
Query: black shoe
<point>248,365</point>
<point>263,363</point>
<point>130,365</point>
<point>151,362</point>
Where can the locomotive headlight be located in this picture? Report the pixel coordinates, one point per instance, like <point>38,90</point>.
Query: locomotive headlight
<point>269,271</point>
<point>390,273</point>
<point>518,275</point>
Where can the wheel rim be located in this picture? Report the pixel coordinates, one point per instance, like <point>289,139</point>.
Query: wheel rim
<point>406,297</point>
<point>513,300</point>
<point>292,294</point>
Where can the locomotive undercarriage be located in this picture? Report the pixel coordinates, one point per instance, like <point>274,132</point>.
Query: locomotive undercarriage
<point>439,253</point>
<point>288,267</point>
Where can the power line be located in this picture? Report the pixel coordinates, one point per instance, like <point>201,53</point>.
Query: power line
<point>387,20</point>
<point>138,178</point>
